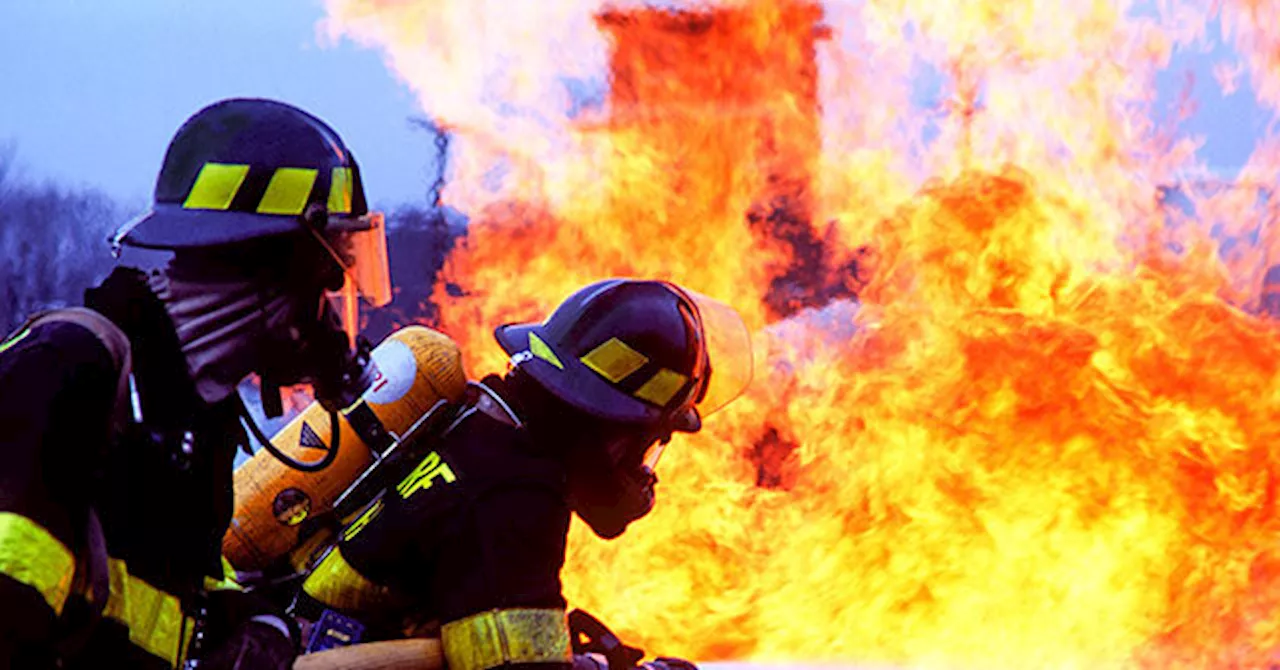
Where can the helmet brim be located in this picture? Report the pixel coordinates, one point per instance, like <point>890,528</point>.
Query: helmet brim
<point>575,384</point>
<point>170,226</point>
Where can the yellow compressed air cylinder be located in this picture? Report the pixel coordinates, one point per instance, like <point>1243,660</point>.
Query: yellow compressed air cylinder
<point>417,367</point>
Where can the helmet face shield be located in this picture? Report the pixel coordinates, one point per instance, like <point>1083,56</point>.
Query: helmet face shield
<point>361,250</point>
<point>654,454</point>
<point>728,344</point>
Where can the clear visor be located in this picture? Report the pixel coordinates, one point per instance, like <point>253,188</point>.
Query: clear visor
<point>728,345</point>
<point>362,254</point>
<point>653,455</point>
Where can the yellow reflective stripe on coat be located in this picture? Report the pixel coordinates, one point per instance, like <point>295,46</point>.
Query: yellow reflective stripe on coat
<point>32,555</point>
<point>499,637</point>
<point>336,584</point>
<point>154,618</point>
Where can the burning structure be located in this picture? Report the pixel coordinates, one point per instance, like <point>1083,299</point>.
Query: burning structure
<point>759,126</point>
<point>1045,435</point>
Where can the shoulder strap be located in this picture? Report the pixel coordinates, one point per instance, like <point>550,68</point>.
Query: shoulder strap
<point>112,338</point>
<point>489,402</point>
<point>94,559</point>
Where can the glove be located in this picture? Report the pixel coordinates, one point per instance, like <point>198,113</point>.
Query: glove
<point>257,644</point>
<point>668,663</point>
<point>242,630</point>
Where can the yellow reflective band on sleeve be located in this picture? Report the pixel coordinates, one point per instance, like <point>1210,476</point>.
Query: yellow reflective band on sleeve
<point>216,186</point>
<point>540,349</point>
<point>288,191</point>
<point>614,360</point>
<point>154,618</point>
<point>336,584</point>
<point>340,191</point>
<point>661,387</point>
<point>32,555</point>
<point>424,476</point>
<point>499,637</point>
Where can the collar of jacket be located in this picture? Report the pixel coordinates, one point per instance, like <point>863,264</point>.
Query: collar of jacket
<point>166,395</point>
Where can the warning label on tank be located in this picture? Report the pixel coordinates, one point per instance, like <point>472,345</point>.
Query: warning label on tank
<point>308,438</point>
<point>396,371</point>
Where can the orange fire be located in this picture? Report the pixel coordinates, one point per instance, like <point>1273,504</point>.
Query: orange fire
<point>1044,435</point>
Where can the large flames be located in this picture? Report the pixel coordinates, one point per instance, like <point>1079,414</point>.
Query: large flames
<point>1046,433</point>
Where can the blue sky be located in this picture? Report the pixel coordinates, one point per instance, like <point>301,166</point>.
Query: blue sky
<point>92,90</point>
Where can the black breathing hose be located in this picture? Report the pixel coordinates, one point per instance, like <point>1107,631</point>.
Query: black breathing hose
<point>315,466</point>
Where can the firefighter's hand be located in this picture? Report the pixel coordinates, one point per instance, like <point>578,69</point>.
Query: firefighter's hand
<point>258,643</point>
<point>244,631</point>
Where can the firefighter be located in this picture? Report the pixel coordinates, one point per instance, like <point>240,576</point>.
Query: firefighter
<point>122,419</point>
<point>472,537</point>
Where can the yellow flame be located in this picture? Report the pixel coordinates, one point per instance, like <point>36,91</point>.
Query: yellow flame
<point>1045,440</point>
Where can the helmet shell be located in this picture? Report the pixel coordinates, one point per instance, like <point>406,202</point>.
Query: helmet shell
<point>622,350</point>
<point>243,169</point>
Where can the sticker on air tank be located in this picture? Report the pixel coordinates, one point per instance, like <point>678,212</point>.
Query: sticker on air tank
<point>397,368</point>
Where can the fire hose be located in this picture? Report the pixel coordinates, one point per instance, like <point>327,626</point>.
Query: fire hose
<point>412,654</point>
<point>589,637</point>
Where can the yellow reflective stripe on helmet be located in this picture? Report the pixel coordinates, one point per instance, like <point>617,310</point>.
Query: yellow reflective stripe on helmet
<point>500,637</point>
<point>154,618</point>
<point>661,387</point>
<point>540,349</point>
<point>216,186</point>
<point>288,191</point>
<point>340,190</point>
<point>614,360</point>
<point>336,584</point>
<point>32,555</point>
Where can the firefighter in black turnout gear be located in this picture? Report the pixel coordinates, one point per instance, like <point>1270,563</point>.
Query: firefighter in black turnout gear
<point>121,419</point>
<point>472,536</point>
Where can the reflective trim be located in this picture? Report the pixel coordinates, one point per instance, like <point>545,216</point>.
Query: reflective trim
<point>614,360</point>
<point>661,387</point>
<point>228,581</point>
<point>424,476</point>
<point>500,637</point>
<point>363,520</point>
<point>14,340</point>
<point>340,190</point>
<point>288,191</point>
<point>540,349</point>
<point>216,186</point>
<point>338,585</point>
<point>154,618</point>
<point>32,555</point>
